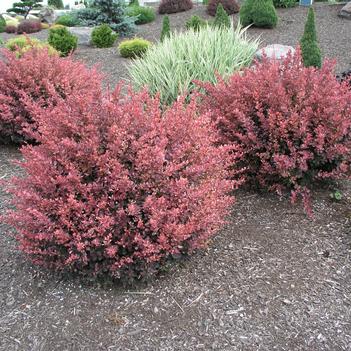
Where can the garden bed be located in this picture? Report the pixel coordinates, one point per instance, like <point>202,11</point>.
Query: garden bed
<point>333,34</point>
<point>272,279</point>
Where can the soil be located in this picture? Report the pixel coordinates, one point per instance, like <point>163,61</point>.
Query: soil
<point>272,279</point>
<point>333,33</point>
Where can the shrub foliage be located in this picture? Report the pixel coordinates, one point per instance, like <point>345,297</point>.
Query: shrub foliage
<point>143,14</point>
<point>133,48</point>
<point>195,23</point>
<point>311,52</point>
<point>173,6</point>
<point>170,67</point>
<point>119,186</point>
<point>103,36</point>
<point>62,40</point>
<point>291,123</point>
<point>166,28</point>
<point>284,3</point>
<point>111,12</point>
<point>230,6</point>
<point>222,19</point>
<point>58,4</point>
<point>36,77</point>
<point>260,13</point>
<point>23,7</point>
<point>67,20</point>
<point>22,44</point>
<point>2,24</point>
<point>28,26</point>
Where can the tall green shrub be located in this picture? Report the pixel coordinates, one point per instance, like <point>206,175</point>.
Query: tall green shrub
<point>58,4</point>
<point>260,13</point>
<point>195,23</point>
<point>2,24</point>
<point>221,19</point>
<point>166,28</point>
<point>311,53</point>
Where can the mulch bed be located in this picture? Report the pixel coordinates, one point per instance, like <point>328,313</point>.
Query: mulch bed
<point>333,33</point>
<point>273,279</point>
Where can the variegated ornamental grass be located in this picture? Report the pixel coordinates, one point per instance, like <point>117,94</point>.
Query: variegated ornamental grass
<point>171,67</point>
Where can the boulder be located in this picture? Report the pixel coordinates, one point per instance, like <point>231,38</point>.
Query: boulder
<point>345,12</point>
<point>47,14</point>
<point>274,52</point>
<point>83,34</point>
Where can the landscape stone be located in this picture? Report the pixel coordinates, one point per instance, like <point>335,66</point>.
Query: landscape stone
<point>47,14</point>
<point>345,12</point>
<point>83,34</point>
<point>274,51</point>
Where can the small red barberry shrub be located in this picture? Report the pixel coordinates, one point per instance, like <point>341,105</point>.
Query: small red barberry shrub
<point>29,26</point>
<point>230,6</point>
<point>291,123</point>
<point>173,6</point>
<point>37,76</point>
<point>118,186</point>
<point>10,29</point>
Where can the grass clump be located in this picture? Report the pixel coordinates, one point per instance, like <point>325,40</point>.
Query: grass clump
<point>171,67</point>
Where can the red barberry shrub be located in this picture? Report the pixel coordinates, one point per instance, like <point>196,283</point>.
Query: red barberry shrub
<point>29,26</point>
<point>10,29</point>
<point>230,6</point>
<point>173,6</point>
<point>37,76</point>
<point>117,186</point>
<point>291,123</point>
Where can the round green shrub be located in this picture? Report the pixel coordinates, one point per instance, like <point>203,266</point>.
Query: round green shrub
<point>103,36</point>
<point>22,44</point>
<point>144,14</point>
<point>134,47</point>
<point>67,20</point>
<point>260,13</point>
<point>62,40</point>
<point>264,14</point>
<point>195,23</point>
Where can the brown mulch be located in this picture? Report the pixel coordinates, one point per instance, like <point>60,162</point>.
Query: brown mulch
<point>334,35</point>
<point>273,279</point>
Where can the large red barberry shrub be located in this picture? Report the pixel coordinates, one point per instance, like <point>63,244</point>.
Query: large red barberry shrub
<point>118,186</point>
<point>37,75</point>
<point>173,6</point>
<point>291,123</point>
<point>230,6</point>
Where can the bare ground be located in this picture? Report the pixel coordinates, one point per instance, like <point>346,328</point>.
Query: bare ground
<point>271,280</point>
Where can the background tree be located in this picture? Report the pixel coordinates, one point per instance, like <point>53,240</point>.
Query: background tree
<point>25,6</point>
<point>311,52</point>
<point>166,29</point>
<point>58,4</point>
<point>222,19</point>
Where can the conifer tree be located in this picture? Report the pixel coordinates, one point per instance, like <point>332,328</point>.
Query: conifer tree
<point>166,29</point>
<point>260,13</point>
<point>25,6</point>
<point>221,19</point>
<point>311,52</point>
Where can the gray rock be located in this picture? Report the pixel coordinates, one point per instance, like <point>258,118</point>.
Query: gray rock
<point>47,14</point>
<point>345,12</point>
<point>274,51</point>
<point>83,34</point>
